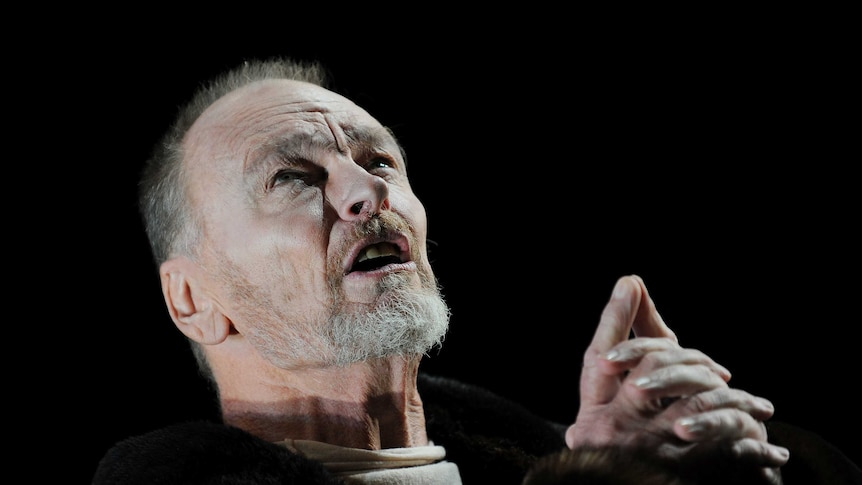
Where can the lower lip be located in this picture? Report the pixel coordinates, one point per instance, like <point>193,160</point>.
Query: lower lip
<point>382,271</point>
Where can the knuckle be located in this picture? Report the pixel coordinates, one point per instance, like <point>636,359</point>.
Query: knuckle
<point>704,402</point>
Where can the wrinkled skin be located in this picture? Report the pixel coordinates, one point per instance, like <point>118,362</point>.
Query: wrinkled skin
<point>648,392</point>
<point>289,183</point>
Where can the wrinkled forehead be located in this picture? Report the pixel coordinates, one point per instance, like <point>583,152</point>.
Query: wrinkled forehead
<point>252,116</point>
<point>277,95</point>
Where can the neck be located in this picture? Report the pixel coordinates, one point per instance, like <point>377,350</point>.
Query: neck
<point>368,405</point>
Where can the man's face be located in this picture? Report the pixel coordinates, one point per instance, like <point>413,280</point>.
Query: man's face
<point>294,187</point>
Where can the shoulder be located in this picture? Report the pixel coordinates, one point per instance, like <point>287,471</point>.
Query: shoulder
<point>202,453</point>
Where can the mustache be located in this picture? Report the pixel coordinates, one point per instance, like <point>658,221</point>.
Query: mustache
<point>387,225</point>
<point>384,225</point>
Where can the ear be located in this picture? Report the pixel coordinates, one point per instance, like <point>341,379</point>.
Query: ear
<point>191,307</point>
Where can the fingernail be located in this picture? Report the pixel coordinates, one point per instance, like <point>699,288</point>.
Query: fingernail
<point>645,383</point>
<point>691,425</point>
<point>612,355</point>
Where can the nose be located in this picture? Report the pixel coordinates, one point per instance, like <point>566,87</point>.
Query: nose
<point>354,193</point>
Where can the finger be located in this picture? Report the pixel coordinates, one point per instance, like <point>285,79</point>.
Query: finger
<point>615,323</point>
<point>596,386</point>
<point>759,408</point>
<point>758,452</point>
<point>657,353</point>
<point>745,460</point>
<point>628,355</point>
<point>720,424</point>
<point>671,382</point>
<point>648,322</point>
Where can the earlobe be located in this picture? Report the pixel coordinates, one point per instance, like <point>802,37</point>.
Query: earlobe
<point>191,308</point>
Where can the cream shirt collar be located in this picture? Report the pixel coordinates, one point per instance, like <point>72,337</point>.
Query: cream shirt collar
<point>417,465</point>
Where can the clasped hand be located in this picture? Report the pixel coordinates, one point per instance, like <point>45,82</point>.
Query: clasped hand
<point>650,394</point>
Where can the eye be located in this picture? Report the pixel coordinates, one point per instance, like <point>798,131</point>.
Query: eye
<point>286,176</point>
<point>290,177</point>
<point>377,164</point>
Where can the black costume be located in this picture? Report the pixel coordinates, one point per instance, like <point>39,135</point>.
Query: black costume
<point>492,440</point>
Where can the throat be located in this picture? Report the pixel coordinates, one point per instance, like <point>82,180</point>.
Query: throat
<point>371,408</point>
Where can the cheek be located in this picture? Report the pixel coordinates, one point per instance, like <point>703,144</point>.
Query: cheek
<point>421,217</point>
<point>411,208</point>
<point>420,220</point>
<point>283,257</point>
<point>417,219</point>
<point>292,258</point>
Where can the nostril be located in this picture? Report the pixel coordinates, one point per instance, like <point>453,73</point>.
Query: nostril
<point>357,208</point>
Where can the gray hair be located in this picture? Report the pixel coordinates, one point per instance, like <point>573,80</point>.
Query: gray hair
<point>170,223</point>
<point>168,220</point>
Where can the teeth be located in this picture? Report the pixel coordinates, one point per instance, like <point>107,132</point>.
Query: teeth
<point>376,251</point>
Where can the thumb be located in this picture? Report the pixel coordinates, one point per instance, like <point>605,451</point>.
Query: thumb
<point>615,326</point>
<point>648,322</point>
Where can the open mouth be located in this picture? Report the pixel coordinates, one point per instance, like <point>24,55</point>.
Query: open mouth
<point>376,256</point>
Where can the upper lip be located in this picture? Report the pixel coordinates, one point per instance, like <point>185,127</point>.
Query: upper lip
<point>392,245</point>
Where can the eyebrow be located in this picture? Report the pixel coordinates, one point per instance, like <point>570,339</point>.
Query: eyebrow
<point>381,138</point>
<point>296,146</point>
<point>366,136</point>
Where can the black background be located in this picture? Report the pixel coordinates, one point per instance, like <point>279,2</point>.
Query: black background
<point>711,160</point>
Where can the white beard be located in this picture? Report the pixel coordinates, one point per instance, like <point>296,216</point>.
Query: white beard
<point>407,322</point>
